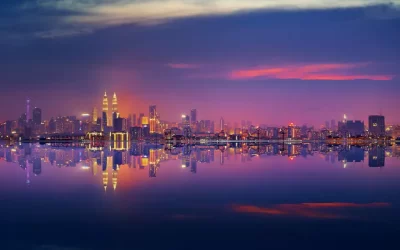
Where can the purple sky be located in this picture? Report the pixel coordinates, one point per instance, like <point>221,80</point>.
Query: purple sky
<point>242,62</point>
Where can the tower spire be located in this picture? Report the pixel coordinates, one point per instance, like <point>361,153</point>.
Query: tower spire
<point>114,103</point>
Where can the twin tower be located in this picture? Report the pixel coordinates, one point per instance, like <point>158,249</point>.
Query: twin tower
<point>107,119</point>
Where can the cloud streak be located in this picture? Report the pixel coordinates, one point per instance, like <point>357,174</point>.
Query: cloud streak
<point>182,66</point>
<point>100,13</point>
<point>308,72</point>
<point>308,210</point>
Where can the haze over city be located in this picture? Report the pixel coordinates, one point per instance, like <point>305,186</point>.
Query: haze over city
<point>271,64</point>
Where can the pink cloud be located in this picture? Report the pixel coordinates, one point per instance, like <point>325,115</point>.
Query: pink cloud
<point>333,71</point>
<point>183,66</point>
<point>309,210</point>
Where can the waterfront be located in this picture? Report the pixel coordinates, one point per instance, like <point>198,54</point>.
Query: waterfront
<point>195,197</point>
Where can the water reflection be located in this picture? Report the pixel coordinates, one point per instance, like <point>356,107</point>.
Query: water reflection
<point>108,161</point>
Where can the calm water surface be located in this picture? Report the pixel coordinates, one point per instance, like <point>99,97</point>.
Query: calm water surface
<point>200,197</point>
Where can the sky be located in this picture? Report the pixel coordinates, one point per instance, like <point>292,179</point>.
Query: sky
<point>270,62</point>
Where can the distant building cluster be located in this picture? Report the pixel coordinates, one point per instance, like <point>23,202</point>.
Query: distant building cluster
<point>138,127</point>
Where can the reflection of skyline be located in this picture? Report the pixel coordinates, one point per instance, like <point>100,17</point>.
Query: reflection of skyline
<point>30,157</point>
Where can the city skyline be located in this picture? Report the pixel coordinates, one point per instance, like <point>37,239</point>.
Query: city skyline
<point>302,63</point>
<point>112,109</point>
<point>247,124</point>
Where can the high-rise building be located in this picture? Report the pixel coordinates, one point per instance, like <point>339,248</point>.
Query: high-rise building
<point>28,110</point>
<point>134,120</point>
<point>376,125</point>
<point>221,124</point>
<point>185,120</point>
<point>136,133</point>
<point>115,114</point>
<point>115,103</point>
<point>94,115</point>
<point>376,156</point>
<point>105,102</point>
<point>141,115</point>
<point>351,128</point>
<point>119,124</point>
<point>37,116</point>
<point>28,129</point>
<point>153,118</point>
<point>104,116</point>
<point>193,116</point>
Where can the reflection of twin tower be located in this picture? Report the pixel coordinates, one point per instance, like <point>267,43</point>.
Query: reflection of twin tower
<point>107,119</point>
<point>107,165</point>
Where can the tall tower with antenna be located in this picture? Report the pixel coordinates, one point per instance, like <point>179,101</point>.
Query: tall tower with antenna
<point>28,111</point>
<point>104,117</point>
<point>114,108</point>
<point>115,103</point>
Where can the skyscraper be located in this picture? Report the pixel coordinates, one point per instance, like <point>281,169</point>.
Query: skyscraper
<point>115,103</point>
<point>114,108</point>
<point>221,124</point>
<point>141,115</point>
<point>37,116</point>
<point>185,120</point>
<point>104,117</point>
<point>134,120</point>
<point>28,130</point>
<point>94,115</point>
<point>376,125</point>
<point>153,118</point>
<point>193,116</point>
<point>28,108</point>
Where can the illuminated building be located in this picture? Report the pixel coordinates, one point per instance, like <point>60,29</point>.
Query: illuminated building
<point>144,121</point>
<point>115,114</point>
<point>187,131</point>
<point>94,166</point>
<point>153,118</point>
<point>115,179</point>
<point>120,140</point>
<point>104,168</point>
<point>115,103</point>
<point>193,118</point>
<point>221,124</point>
<point>141,115</point>
<point>136,133</point>
<point>94,115</point>
<point>28,129</point>
<point>104,117</point>
<point>293,132</point>
<point>376,125</point>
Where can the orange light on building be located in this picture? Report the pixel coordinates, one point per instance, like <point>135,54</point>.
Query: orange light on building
<point>145,120</point>
<point>144,162</point>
